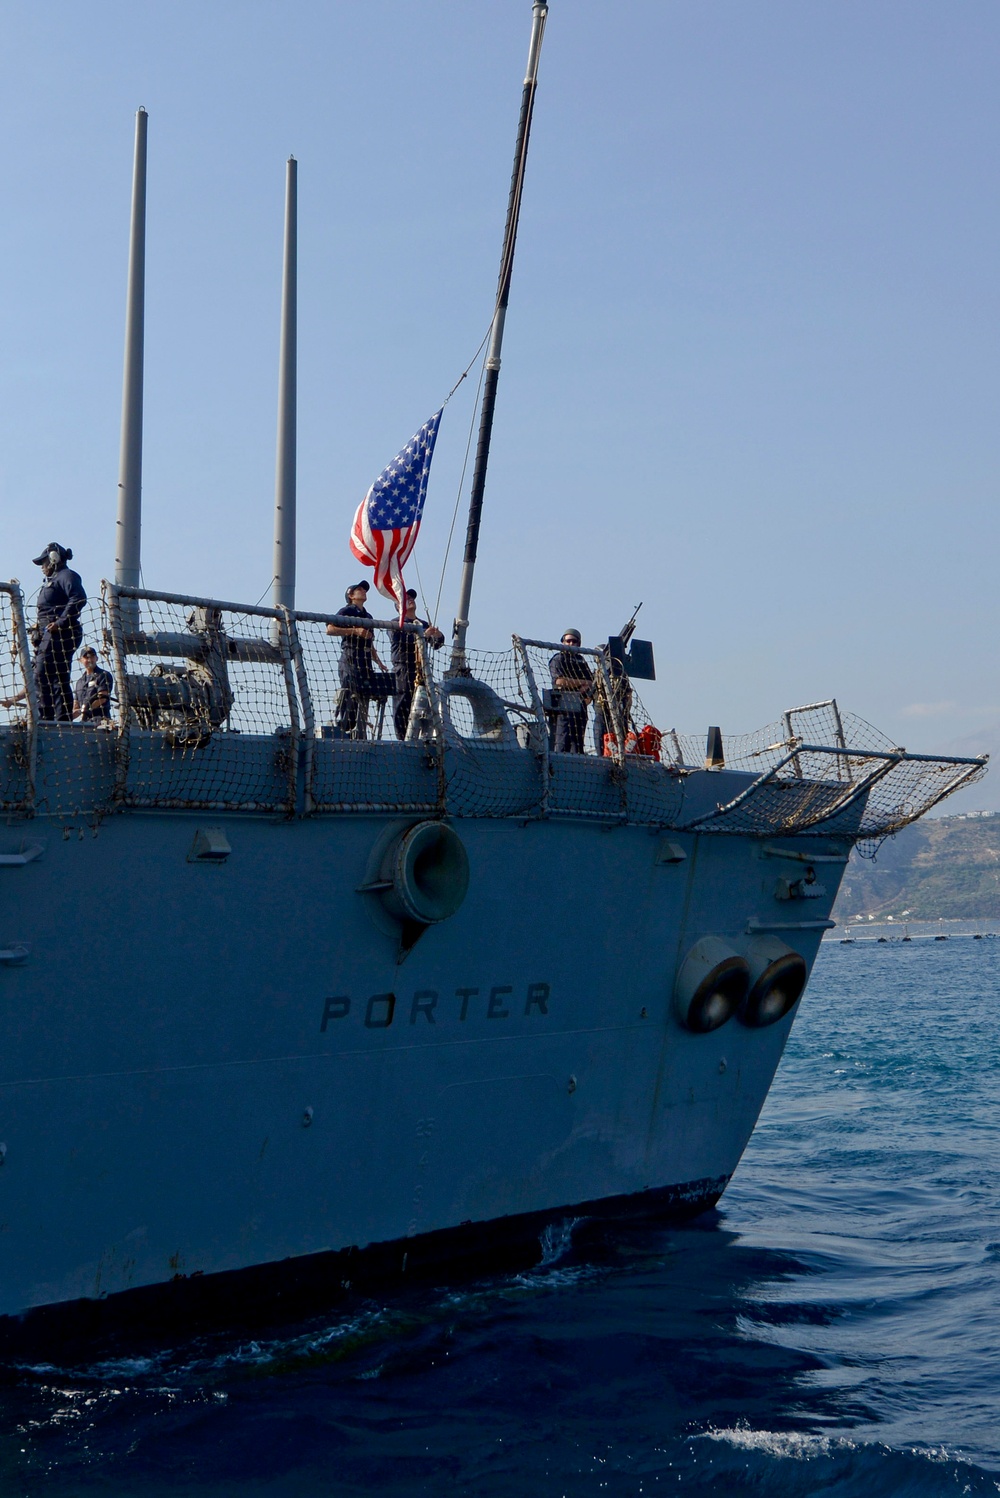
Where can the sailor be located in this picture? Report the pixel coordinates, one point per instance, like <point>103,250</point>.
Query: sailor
<point>405,662</point>
<point>570,673</point>
<point>358,660</point>
<point>92,693</point>
<point>55,635</point>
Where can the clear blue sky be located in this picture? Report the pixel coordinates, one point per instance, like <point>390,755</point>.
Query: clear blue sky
<point>752,365</point>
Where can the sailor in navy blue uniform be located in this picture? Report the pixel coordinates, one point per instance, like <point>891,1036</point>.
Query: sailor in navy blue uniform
<point>92,693</point>
<point>570,673</point>
<point>359,679</point>
<point>405,654</point>
<point>57,632</point>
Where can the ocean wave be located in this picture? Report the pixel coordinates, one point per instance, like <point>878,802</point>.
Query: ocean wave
<point>852,1465</point>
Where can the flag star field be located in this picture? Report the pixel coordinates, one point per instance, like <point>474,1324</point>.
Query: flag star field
<point>388,518</point>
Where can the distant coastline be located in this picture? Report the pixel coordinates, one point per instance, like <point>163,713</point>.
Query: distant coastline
<point>943,868</point>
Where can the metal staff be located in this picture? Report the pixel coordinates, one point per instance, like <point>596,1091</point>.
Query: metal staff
<point>129,527</point>
<point>458,666</point>
<point>283,589</point>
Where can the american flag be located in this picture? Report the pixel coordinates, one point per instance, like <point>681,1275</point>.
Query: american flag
<point>388,518</point>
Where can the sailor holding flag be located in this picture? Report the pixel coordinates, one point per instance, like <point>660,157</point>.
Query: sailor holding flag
<point>383,536</point>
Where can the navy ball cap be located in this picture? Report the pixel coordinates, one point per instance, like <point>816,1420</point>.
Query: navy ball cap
<point>64,554</point>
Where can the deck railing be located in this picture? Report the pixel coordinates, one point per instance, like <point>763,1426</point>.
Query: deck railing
<point>232,707</point>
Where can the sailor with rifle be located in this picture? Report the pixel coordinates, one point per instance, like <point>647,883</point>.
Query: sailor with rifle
<point>605,712</point>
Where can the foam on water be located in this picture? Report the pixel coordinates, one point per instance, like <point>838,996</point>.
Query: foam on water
<point>834,1327</point>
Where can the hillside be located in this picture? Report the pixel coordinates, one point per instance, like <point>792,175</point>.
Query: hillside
<point>941,867</point>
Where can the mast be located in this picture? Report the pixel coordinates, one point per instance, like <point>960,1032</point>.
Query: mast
<point>129,525</point>
<point>283,593</point>
<point>457,666</point>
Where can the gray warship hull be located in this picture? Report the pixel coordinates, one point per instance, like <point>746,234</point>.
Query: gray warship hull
<point>280,992</point>
<point>226,1043</point>
<point>276,991</point>
<point>240,1072</point>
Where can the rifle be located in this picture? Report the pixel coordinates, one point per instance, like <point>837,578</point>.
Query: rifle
<point>625,634</point>
<point>635,662</point>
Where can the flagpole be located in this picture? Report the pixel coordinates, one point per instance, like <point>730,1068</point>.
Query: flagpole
<point>458,665</point>
<point>128,528</point>
<point>283,586</point>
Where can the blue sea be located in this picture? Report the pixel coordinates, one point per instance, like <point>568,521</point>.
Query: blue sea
<point>834,1327</point>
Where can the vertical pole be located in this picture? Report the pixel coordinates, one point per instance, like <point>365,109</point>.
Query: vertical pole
<point>23,647</point>
<point>457,665</point>
<point>284,478</point>
<point>129,526</point>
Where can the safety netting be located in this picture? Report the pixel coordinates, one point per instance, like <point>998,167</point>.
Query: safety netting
<point>55,761</point>
<point>486,711</point>
<point>208,704</point>
<point>620,766</point>
<point>348,690</point>
<point>825,770</point>
<point>821,723</point>
<point>214,705</point>
<point>16,739</point>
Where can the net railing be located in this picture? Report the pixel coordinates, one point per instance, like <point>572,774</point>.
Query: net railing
<point>17,707</point>
<point>208,704</point>
<point>821,769</point>
<point>817,723</point>
<point>865,794</point>
<point>487,709</point>
<point>350,703</point>
<point>217,705</point>
<point>612,720</point>
<point>77,760</point>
